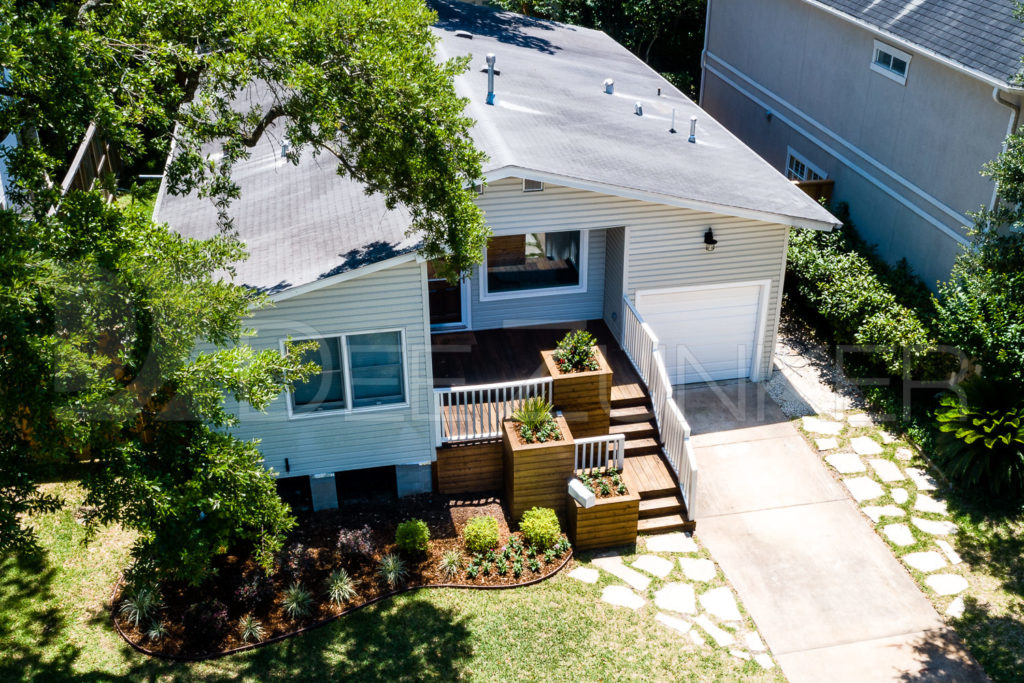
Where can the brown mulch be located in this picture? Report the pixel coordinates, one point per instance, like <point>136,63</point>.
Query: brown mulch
<point>594,482</point>
<point>318,534</point>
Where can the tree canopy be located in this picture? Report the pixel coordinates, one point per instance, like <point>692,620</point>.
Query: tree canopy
<point>101,309</point>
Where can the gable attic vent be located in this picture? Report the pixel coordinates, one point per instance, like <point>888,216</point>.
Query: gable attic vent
<point>464,34</point>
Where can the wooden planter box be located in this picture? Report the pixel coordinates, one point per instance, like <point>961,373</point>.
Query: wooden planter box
<point>610,522</point>
<point>537,474</point>
<point>584,398</point>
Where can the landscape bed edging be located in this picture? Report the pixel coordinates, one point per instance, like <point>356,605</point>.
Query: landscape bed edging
<point>323,622</point>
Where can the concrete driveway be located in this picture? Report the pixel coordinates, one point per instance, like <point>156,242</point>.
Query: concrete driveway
<point>831,600</point>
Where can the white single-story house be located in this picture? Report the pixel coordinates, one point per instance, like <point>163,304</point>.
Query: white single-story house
<point>595,202</point>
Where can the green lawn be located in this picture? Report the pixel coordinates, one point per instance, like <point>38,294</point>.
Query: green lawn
<point>54,625</point>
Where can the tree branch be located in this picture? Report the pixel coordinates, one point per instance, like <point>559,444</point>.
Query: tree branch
<point>274,113</point>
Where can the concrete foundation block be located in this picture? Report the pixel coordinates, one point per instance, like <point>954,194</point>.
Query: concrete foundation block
<point>413,479</point>
<point>324,490</point>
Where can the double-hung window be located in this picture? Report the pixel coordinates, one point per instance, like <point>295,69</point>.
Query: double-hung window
<point>356,371</point>
<point>798,168</point>
<point>535,263</point>
<point>890,62</point>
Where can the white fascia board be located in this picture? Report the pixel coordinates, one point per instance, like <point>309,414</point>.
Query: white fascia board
<point>904,43</point>
<point>344,277</point>
<point>657,198</point>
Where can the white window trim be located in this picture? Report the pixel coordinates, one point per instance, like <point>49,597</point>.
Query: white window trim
<point>895,52</point>
<point>544,291</point>
<point>343,346</point>
<point>535,189</point>
<point>790,152</point>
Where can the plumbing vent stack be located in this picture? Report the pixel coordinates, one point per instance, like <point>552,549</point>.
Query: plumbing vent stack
<point>672,129</point>
<point>609,86</point>
<point>490,77</point>
<point>693,129</point>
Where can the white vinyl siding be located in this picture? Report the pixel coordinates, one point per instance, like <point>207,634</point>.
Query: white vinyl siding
<point>369,436</point>
<point>614,248</point>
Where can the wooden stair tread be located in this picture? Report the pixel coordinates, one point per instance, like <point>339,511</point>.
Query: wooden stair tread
<point>639,413</point>
<point>663,523</point>
<point>646,445</point>
<point>634,429</point>
<point>664,505</point>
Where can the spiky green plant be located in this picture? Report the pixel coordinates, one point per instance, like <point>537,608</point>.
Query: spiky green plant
<point>156,631</point>
<point>451,564</point>
<point>140,605</point>
<point>536,422</point>
<point>250,629</point>
<point>297,601</point>
<point>341,587</point>
<point>392,569</point>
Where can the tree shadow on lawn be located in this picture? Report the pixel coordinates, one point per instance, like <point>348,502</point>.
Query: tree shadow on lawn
<point>942,658</point>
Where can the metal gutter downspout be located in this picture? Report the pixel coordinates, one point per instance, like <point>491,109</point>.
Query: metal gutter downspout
<point>704,54</point>
<point>1011,128</point>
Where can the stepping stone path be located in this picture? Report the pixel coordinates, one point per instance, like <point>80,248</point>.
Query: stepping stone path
<point>754,642</point>
<point>946,548</point>
<point>888,438</point>
<point>900,534</point>
<point>826,444</point>
<point>697,569</point>
<point>947,584</point>
<point>818,426</point>
<point>740,654</point>
<point>860,420</point>
<point>652,564</point>
<point>900,496</point>
<point>926,503</point>
<point>865,445</point>
<point>922,480</point>
<point>863,488</point>
<point>935,528</point>
<point>697,639</point>
<point>674,623</point>
<point>614,566</point>
<point>764,660</point>
<point>585,574</point>
<point>845,463</point>
<point>721,603</point>
<point>723,638</point>
<point>928,561</point>
<point>677,597</point>
<point>671,543</point>
<point>875,513</point>
<point>887,470</point>
<point>904,454</point>
<point>956,608</point>
<point>620,596</point>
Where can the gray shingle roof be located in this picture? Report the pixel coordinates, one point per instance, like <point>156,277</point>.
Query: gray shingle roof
<point>552,118</point>
<point>980,34</point>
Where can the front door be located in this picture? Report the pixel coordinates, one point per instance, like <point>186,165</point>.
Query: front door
<point>447,301</point>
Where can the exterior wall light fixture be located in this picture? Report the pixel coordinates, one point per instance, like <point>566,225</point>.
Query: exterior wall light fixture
<point>709,240</point>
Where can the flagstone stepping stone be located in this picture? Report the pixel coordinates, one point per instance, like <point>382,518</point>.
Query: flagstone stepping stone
<point>671,543</point>
<point>621,596</point>
<point>875,513</point>
<point>740,654</point>
<point>900,534</point>
<point>826,444</point>
<point>951,554</point>
<point>887,437</point>
<point>697,639</point>
<point>900,496</point>
<point>754,642</point>
<point>818,426</point>
<point>585,574</point>
<point>956,608</point>
<point>721,603</point>
<point>676,597</point>
<point>863,488</point>
<point>865,445</point>
<point>922,480</point>
<point>928,526</point>
<point>674,623</point>
<point>764,661</point>
<point>652,564</point>
<point>845,463</point>
<point>886,470</point>
<point>926,503</point>
<point>928,561</point>
<point>697,569</point>
<point>860,420</point>
<point>721,637</point>
<point>947,584</point>
<point>614,566</point>
<point>905,454</point>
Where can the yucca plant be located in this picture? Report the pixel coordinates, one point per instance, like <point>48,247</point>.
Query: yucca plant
<point>536,422</point>
<point>341,587</point>
<point>140,605</point>
<point>392,569</point>
<point>297,601</point>
<point>250,629</point>
<point>451,564</point>
<point>156,631</point>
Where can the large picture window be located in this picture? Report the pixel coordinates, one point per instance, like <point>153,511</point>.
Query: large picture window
<point>535,261</point>
<point>356,371</point>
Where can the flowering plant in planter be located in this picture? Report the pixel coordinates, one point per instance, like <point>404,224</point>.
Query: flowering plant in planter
<point>575,353</point>
<point>536,423</point>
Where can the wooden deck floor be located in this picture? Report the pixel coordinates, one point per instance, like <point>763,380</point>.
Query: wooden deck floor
<point>649,474</point>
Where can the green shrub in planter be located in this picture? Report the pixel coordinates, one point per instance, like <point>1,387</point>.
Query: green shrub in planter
<point>412,536</point>
<point>536,421</point>
<point>540,527</point>
<point>575,353</point>
<point>481,534</point>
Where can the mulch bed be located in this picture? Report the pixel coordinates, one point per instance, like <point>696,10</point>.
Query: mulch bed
<point>203,621</point>
<point>595,480</point>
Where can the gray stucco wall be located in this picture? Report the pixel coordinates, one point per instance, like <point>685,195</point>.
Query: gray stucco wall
<point>923,142</point>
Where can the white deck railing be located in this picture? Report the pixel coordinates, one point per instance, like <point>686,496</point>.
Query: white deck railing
<point>641,346</point>
<point>476,412</point>
<point>597,452</point>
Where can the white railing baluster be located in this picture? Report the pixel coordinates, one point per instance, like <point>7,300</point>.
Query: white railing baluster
<point>600,452</point>
<point>476,412</point>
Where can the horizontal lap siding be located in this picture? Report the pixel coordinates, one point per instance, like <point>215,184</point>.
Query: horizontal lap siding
<point>613,280</point>
<point>388,299</point>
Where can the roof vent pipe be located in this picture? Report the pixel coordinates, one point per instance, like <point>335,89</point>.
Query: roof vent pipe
<point>673,128</point>
<point>609,86</point>
<point>693,129</point>
<point>490,77</point>
<point>638,109</point>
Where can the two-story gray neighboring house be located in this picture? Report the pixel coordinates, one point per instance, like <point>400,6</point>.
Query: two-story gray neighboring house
<point>899,102</point>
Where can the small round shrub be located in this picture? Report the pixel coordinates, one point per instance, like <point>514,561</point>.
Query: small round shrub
<point>206,623</point>
<point>481,534</point>
<point>412,536</point>
<point>540,527</point>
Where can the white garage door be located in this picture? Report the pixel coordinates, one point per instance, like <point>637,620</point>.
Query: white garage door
<point>705,334</point>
